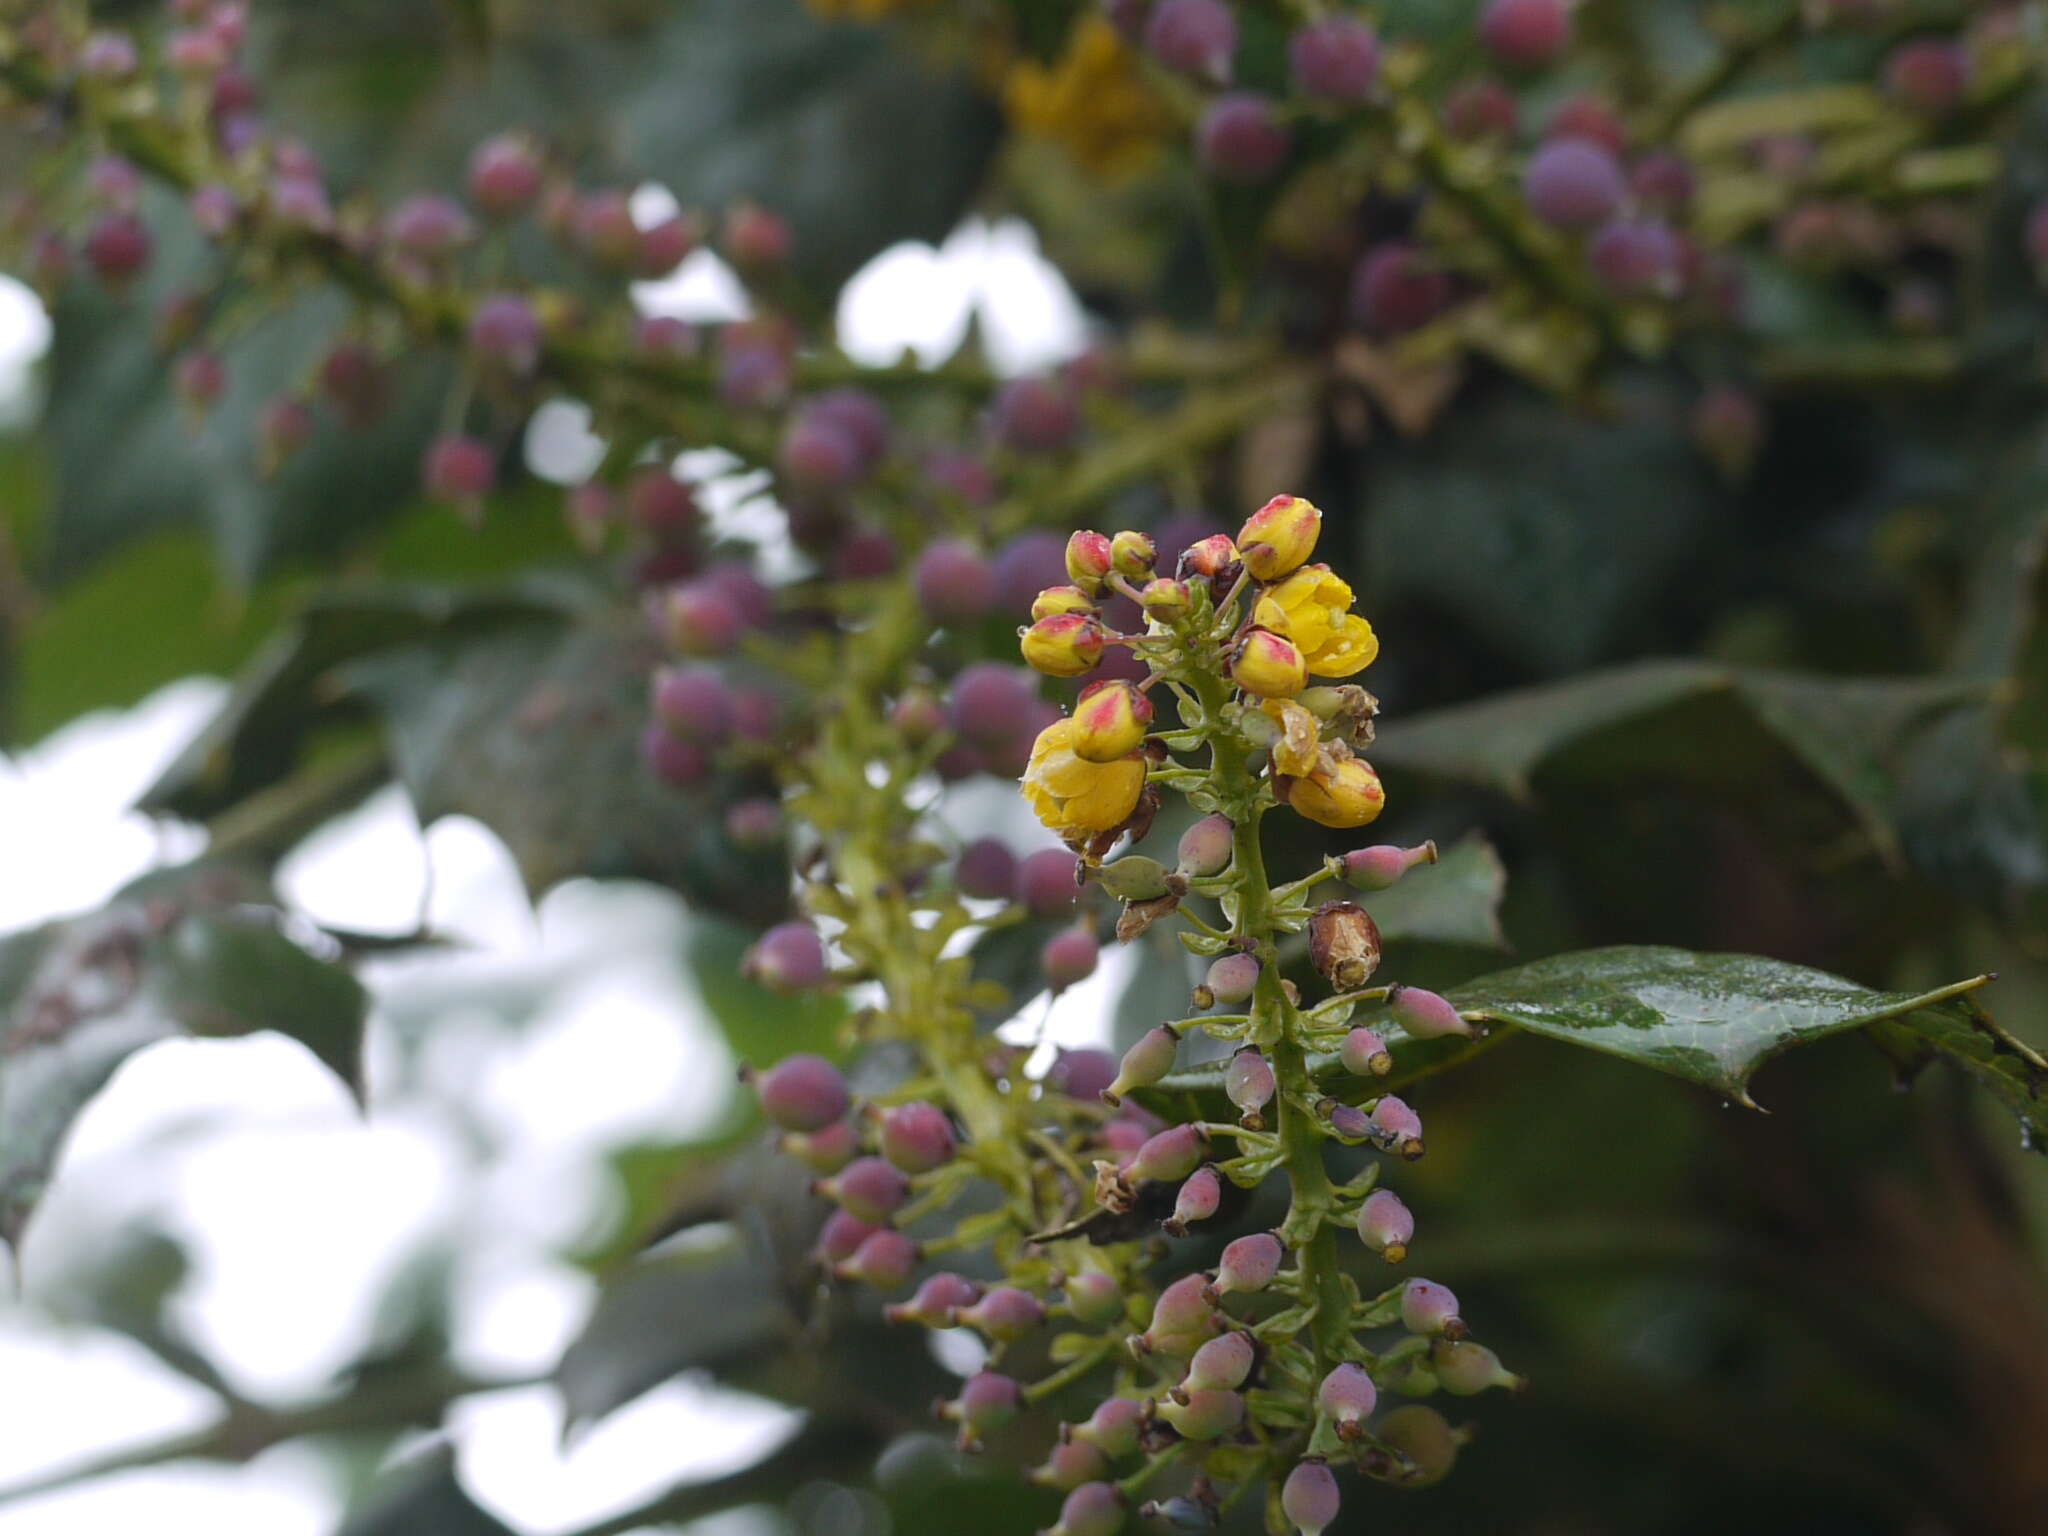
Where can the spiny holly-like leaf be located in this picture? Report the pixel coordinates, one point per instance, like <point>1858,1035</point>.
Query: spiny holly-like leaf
<point>1849,733</point>
<point>78,998</point>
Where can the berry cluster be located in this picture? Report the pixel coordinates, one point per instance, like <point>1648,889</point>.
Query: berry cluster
<point>1261,1372</point>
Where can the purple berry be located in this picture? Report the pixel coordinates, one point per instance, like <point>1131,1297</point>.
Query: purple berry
<point>802,1093</point>
<point>694,703</point>
<point>955,582</point>
<point>458,469</point>
<point>300,202</point>
<point>681,763</point>
<point>605,230</point>
<point>987,699</point>
<point>840,1238</point>
<point>1526,34</point>
<point>1348,1122</point>
<point>1589,118</point>
<point>662,246</point>
<point>825,1151</point>
<point>116,248</point>
<point>1309,1497</point>
<point>790,957</point>
<point>504,333</point>
<point>1249,1264</point>
<point>660,505</point>
<point>986,870</point>
<point>665,336</point>
<point>429,226</point>
<point>1081,1074</point>
<point>1636,258</point>
<point>1045,882</point>
<point>200,378</point>
<point>756,715</point>
<point>1241,139</point>
<point>1026,566</point>
<point>1183,1318</point>
<point>917,1137</point>
<point>755,823</point>
<point>965,477</point>
<point>107,56</point>
<point>1347,1398</point>
<point>1573,184</point>
<point>1430,1310</point>
<point>1928,75</point>
<point>1386,1225</point>
<point>1035,415</point>
<point>818,455</point>
<point>114,181</point>
<point>355,383</point>
<point>1663,181</point>
<point>1195,37</point>
<point>1069,957</point>
<point>1337,59</point>
<point>1398,288</point>
<point>884,1260</point>
<point>861,416</point>
<point>755,239</point>
<point>697,619</point>
<point>870,1187</point>
<point>1481,109</point>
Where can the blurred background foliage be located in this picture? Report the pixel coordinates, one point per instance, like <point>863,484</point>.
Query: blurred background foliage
<point>1829,1318</point>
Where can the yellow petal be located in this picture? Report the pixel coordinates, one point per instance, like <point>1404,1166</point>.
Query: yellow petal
<point>1351,647</point>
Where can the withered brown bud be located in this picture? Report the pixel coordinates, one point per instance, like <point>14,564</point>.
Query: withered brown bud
<point>1344,944</point>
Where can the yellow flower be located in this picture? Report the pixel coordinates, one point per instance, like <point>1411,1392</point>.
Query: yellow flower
<point>1070,794</point>
<point>1296,750</point>
<point>1313,609</point>
<point>1279,536</point>
<point>1268,665</point>
<point>1340,791</point>
<point>1094,103</point>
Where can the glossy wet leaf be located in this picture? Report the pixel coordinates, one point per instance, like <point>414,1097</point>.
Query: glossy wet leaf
<point>79,997</point>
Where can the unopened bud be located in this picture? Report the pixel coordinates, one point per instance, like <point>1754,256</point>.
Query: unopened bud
<point>1268,666</point>
<point>1065,645</point>
<point>917,1137</point>
<point>1344,944</point>
<point>1221,1365</point>
<point>1089,560</point>
<point>1386,1225</point>
<point>1465,1369</point>
<point>1431,1310</point>
<point>934,1302</point>
<point>1279,537</point>
<point>1110,722</point>
<point>1378,867</point>
<point>1347,1121</point>
<point>1208,1415</point>
<point>1171,1155</point>
<point>986,1403</point>
<point>1070,1464</point>
<point>1131,554</point>
<point>1057,600</point>
<point>1133,878</point>
<point>1249,1264</point>
<point>1426,1015</point>
<point>1145,1063</point>
<point>1005,1313</point>
<point>884,1260</point>
<point>1183,1319</point>
<point>1213,560</point>
<point>1093,1509</point>
<point>1365,1054</point>
<point>1179,1513</point>
<point>1205,847</point>
<point>1309,1497</point>
<point>802,1093</point>
<point>1424,1437</point>
<point>1347,1398</point>
<point>1199,1196</point>
<point>1248,1083</point>
<point>1165,599</point>
<point>840,1238</point>
<point>870,1187</point>
<point>1346,793</point>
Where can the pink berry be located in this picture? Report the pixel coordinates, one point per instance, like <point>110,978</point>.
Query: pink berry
<point>1170,1156</point>
<point>1397,1126</point>
<point>1095,1297</point>
<point>884,1260</point>
<point>300,202</point>
<point>955,583</point>
<point>696,619</point>
<point>1035,415</point>
<point>429,226</point>
<point>1426,1015</point>
<point>1248,1081</point>
<point>1195,37</point>
<point>1377,868</point>
<point>1365,1054</point>
<point>605,230</point>
<point>802,1093</point>
<point>825,1151</point>
<point>755,239</point>
<point>1337,59</point>
<point>1045,882</point>
<point>1233,978</point>
<point>1481,109</point>
<point>1070,1464</point>
<point>861,416</point>
<point>108,56</point>
<point>1241,139</point>
<point>1113,1428</point>
<point>116,248</point>
<point>818,455</point>
<point>1249,1264</point>
<point>1588,118</point>
<point>693,703</point>
<point>504,333</point>
<point>1222,1364</point>
<point>1635,258</point>
<point>663,245</point>
<point>355,383</point>
<point>1386,1225</point>
<point>660,505</point>
<point>754,824</point>
<point>1573,184</point>
<point>1069,957</point>
<point>790,957</point>
<point>200,378</point>
<point>1204,849</point>
<point>987,1402</point>
<point>934,1302</point>
<point>756,715</point>
<point>1145,1063</point>
<point>1309,1497</point>
<point>1398,288</point>
<point>664,336</point>
<point>681,763</point>
<point>1081,1074</point>
<point>870,1187</point>
<point>283,427</point>
<point>1206,1415</point>
<point>459,469</point>
<point>1347,1398</point>
<point>917,1137</point>
<point>1005,1314</point>
<point>986,700</point>
<point>840,1238</point>
<point>1199,1196</point>
<point>1663,181</point>
<point>1430,1310</point>
<point>1526,34</point>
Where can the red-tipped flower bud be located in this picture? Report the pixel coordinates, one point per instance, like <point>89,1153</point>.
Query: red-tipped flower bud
<point>1131,554</point>
<point>1065,645</point>
<point>1063,599</point>
<point>1090,558</point>
<point>1110,722</point>
<point>1268,666</point>
<point>1278,537</point>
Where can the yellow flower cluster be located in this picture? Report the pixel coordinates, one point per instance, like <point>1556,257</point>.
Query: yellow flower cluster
<point>1071,794</point>
<point>1312,608</point>
<point>1093,102</point>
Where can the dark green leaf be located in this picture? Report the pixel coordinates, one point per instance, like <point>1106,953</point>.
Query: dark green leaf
<point>760,1026</point>
<point>422,1496</point>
